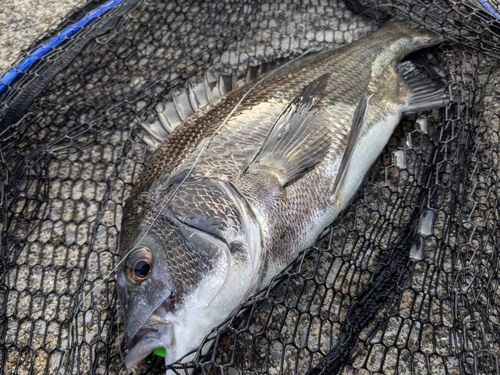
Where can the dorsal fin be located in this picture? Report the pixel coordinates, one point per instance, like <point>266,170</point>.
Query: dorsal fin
<point>358,124</point>
<point>296,141</point>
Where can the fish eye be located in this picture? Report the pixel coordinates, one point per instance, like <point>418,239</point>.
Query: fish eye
<point>138,265</point>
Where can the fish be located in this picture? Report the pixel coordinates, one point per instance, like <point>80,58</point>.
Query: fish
<point>229,199</point>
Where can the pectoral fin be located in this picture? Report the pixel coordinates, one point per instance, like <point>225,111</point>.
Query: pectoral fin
<point>297,141</point>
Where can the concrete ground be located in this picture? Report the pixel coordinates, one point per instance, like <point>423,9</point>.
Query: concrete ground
<point>23,21</point>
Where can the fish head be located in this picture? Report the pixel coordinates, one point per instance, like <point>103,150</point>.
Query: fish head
<point>182,274</point>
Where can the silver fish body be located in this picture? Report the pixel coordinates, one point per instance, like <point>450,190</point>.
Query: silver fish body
<point>235,192</point>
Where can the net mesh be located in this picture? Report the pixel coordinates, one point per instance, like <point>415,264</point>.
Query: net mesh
<point>405,281</point>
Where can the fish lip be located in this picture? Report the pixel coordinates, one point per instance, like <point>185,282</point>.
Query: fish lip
<point>145,342</point>
<point>139,336</point>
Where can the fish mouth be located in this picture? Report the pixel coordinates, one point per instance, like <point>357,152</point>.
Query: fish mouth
<point>147,340</point>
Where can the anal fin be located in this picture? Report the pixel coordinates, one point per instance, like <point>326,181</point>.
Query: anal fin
<point>296,141</point>
<point>425,92</point>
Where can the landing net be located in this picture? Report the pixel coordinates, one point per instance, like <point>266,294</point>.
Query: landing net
<point>405,281</point>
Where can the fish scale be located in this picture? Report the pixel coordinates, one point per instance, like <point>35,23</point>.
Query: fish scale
<point>185,267</point>
<point>203,205</point>
<point>204,123</point>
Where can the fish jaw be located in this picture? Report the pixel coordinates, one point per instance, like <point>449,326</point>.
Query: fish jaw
<point>163,329</point>
<point>151,340</point>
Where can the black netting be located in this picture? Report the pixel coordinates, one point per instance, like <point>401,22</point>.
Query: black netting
<point>405,281</point>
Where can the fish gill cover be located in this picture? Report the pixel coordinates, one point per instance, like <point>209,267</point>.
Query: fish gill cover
<point>405,281</point>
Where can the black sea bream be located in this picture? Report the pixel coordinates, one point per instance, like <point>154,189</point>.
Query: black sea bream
<point>235,192</point>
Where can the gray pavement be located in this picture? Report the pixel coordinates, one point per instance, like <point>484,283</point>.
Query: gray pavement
<point>23,21</point>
